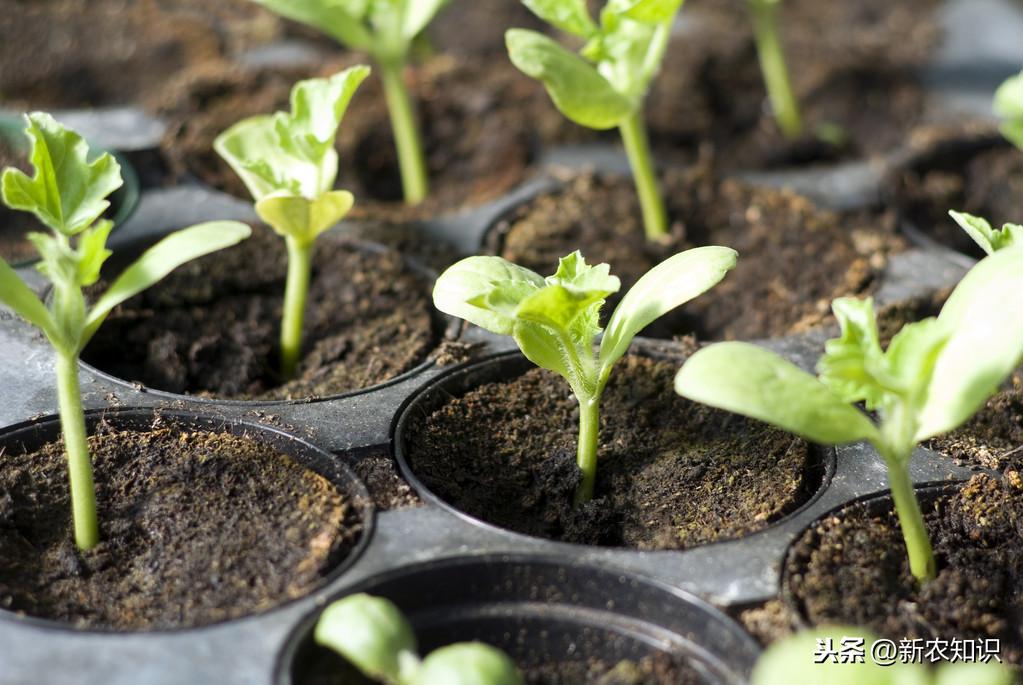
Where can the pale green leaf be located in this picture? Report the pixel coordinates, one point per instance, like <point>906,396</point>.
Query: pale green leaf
<point>544,349</point>
<point>577,89</point>
<point>343,20</point>
<point>20,299</point>
<point>985,315</point>
<point>472,280</point>
<point>371,633</point>
<point>66,192</point>
<point>989,239</point>
<point>418,14</point>
<point>668,285</point>
<point>317,107</point>
<point>468,663</point>
<point>558,307</point>
<point>252,149</point>
<point>754,382</point>
<point>176,249</point>
<point>912,354</point>
<point>304,219</point>
<point>571,16</point>
<point>853,365</point>
<point>648,11</point>
<point>575,274</point>
<point>1009,106</point>
<point>92,252</point>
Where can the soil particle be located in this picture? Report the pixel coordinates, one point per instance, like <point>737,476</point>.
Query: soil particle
<point>793,257</point>
<point>672,473</point>
<point>387,488</point>
<point>851,568</point>
<point>196,528</point>
<point>211,328</point>
<point>770,622</point>
<point>993,437</point>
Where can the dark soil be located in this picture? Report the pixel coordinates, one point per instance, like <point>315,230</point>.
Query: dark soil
<point>387,488</point>
<point>793,258</point>
<point>14,225</point>
<point>211,328</point>
<point>672,474</point>
<point>481,120</point>
<point>975,173</point>
<point>851,568</point>
<point>475,28</point>
<point>197,528</point>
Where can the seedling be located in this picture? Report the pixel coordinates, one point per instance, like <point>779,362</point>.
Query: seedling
<point>934,375</point>
<point>604,87</point>
<point>289,164</point>
<point>67,193</point>
<point>764,15</point>
<point>387,30</point>
<point>555,320</point>
<point>373,635</point>
<point>816,657</point>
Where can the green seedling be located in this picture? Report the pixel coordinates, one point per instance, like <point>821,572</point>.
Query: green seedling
<point>555,320</point>
<point>935,374</point>
<point>799,659</point>
<point>373,635</point>
<point>289,164</point>
<point>606,84</point>
<point>67,193</point>
<point>1009,106</point>
<point>764,16</point>
<point>387,30</point>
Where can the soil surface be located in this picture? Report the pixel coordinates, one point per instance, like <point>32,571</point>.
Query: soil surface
<point>993,437</point>
<point>852,569</point>
<point>973,173</point>
<point>211,328</point>
<point>481,122</point>
<point>197,528</point>
<point>672,474</point>
<point>793,257</point>
<point>14,225</point>
<point>387,488</point>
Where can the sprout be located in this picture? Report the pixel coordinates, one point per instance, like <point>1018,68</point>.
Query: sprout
<point>555,320</point>
<point>68,195</point>
<point>607,85</point>
<point>289,164</point>
<point>764,15</point>
<point>371,633</point>
<point>935,375</point>
<point>387,30</point>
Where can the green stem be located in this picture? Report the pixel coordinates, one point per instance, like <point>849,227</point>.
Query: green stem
<point>911,520</point>
<point>72,423</point>
<point>637,147</point>
<point>414,180</point>
<point>300,262</point>
<point>589,432</point>
<point>774,67</point>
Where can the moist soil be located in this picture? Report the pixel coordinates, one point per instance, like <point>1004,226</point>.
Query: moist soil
<point>14,225</point>
<point>672,474</point>
<point>211,328</point>
<point>973,173</point>
<point>480,119</point>
<point>793,257</point>
<point>196,528</point>
<point>851,568</point>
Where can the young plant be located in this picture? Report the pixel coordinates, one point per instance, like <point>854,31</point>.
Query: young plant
<point>555,320</point>
<point>289,165</point>
<point>604,87</point>
<point>764,16</point>
<point>67,193</point>
<point>387,30</point>
<point>934,375</point>
<point>813,657</point>
<point>371,633</point>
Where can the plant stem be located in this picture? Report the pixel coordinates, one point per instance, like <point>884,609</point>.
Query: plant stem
<point>589,432</point>
<point>637,147</point>
<point>414,180</point>
<point>764,14</point>
<point>72,423</point>
<point>300,262</point>
<point>911,520</point>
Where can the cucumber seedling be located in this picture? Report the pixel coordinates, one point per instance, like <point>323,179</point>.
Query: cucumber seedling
<point>774,67</point>
<point>387,30</point>
<point>555,320</point>
<point>67,193</point>
<point>934,376</point>
<point>605,85</point>
<point>373,635</point>
<point>289,164</point>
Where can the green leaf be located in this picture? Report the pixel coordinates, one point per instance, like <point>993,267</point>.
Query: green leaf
<point>340,19</point>
<point>67,192</point>
<point>546,350</point>
<point>755,382</point>
<point>648,11</point>
<point>176,249</point>
<point>252,148</point>
<point>912,354</point>
<point>571,16</point>
<point>1009,106</point>
<point>418,14</point>
<point>853,365</point>
<point>317,108</point>
<point>559,308</point>
<point>372,634</point>
<point>985,317</point>
<point>304,219</point>
<point>668,285</point>
<point>468,663</point>
<point>20,299</point>
<point>577,89</point>
<point>463,290</point>
<point>989,239</point>
<point>92,252</point>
